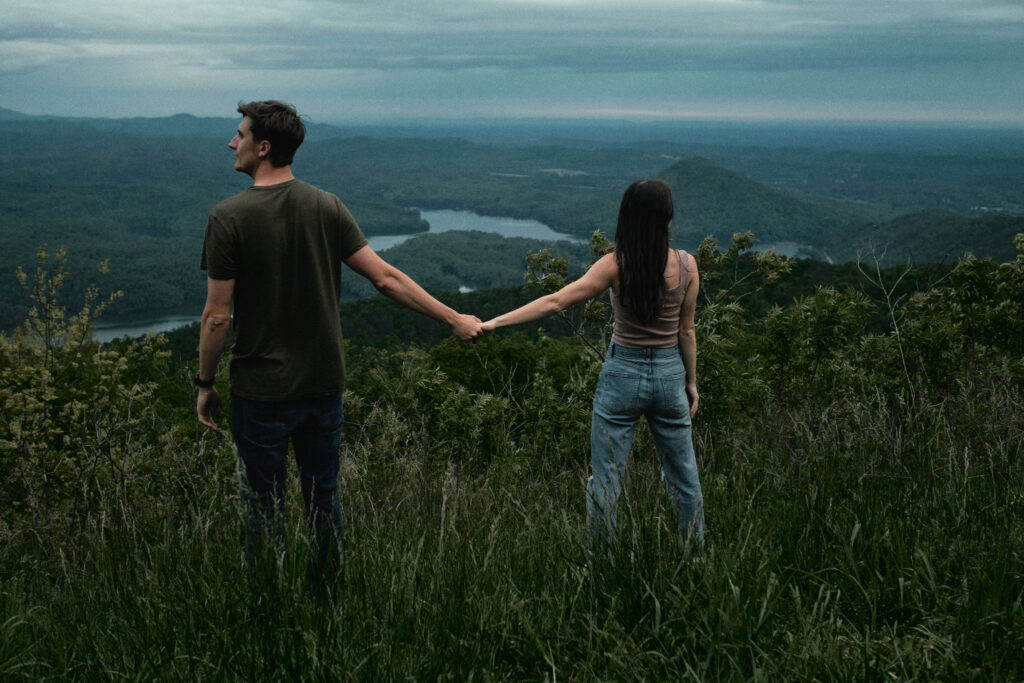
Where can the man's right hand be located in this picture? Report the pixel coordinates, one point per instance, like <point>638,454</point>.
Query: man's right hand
<point>208,407</point>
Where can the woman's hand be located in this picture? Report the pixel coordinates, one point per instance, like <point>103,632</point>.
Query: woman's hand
<point>488,327</point>
<point>692,397</point>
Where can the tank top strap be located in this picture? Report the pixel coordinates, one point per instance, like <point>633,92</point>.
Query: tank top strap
<point>684,269</point>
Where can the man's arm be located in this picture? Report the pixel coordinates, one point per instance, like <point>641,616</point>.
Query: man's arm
<point>213,332</point>
<point>396,285</point>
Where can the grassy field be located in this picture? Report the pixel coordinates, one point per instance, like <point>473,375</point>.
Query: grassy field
<point>854,548</point>
<point>864,496</point>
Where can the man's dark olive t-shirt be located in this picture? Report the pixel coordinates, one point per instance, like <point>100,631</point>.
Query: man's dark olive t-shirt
<point>283,246</point>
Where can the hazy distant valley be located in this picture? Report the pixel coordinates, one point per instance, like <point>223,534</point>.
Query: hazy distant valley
<point>137,192</point>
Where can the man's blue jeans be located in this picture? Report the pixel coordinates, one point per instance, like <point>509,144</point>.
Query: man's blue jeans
<point>262,430</point>
<point>652,383</point>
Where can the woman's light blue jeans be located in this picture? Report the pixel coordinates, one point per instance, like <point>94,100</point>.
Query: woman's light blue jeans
<point>652,383</point>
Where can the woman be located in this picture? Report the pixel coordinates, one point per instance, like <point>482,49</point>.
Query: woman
<point>650,368</point>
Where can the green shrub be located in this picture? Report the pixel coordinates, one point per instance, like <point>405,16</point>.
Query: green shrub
<point>864,493</point>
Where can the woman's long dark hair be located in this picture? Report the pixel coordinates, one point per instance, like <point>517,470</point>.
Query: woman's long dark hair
<point>641,246</point>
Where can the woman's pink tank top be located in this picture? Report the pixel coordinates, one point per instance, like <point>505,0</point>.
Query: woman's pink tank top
<point>663,332</point>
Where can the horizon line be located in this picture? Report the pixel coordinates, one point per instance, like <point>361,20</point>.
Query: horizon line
<point>607,118</point>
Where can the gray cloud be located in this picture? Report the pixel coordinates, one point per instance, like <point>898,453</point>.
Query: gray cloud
<point>541,47</point>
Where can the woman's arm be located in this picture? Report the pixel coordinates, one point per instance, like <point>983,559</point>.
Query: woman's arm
<point>600,277</point>
<point>688,336</point>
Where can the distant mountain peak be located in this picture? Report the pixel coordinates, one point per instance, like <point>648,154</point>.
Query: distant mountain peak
<point>689,162</point>
<point>701,167</point>
<point>697,160</point>
<point>698,175</point>
<point>711,199</point>
<point>11,115</point>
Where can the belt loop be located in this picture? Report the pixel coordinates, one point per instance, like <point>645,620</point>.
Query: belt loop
<point>613,350</point>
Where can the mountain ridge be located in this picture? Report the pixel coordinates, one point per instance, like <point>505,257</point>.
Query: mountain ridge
<point>906,237</point>
<point>711,199</point>
<point>142,203</point>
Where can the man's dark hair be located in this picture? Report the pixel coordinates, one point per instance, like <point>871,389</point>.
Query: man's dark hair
<point>279,124</point>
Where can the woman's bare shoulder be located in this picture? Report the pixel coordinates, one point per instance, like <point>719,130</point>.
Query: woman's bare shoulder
<point>607,262</point>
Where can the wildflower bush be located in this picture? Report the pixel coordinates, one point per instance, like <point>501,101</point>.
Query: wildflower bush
<point>82,425</point>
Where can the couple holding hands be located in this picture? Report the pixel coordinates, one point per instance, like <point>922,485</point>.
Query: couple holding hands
<point>273,253</point>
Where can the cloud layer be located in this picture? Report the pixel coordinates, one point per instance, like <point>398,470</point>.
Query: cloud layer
<point>932,59</point>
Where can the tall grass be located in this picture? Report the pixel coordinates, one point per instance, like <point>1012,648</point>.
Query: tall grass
<point>864,497</point>
<point>851,545</point>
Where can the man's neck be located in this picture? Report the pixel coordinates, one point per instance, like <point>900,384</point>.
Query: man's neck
<point>269,175</point>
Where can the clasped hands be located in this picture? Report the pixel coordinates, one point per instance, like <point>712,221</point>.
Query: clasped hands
<point>470,329</point>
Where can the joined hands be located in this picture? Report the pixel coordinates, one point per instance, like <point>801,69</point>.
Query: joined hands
<point>469,329</point>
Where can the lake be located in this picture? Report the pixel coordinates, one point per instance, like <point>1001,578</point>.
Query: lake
<point>446,220</point>
<point>106,331</point>
<point>440,221</point>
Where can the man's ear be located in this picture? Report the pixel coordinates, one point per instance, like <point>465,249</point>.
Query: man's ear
<point>264,149</point>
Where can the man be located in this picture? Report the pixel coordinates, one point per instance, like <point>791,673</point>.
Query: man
<point>276,250</point>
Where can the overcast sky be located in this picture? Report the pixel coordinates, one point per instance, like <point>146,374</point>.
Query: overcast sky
<point>380,60</point>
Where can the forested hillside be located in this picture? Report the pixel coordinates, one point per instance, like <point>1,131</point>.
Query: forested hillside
<point>931,236</point>
<point>712,200</point>
<point>136,192</point>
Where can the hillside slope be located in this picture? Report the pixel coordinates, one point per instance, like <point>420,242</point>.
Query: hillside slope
<point>932,236</point>
<point>712,200</point>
